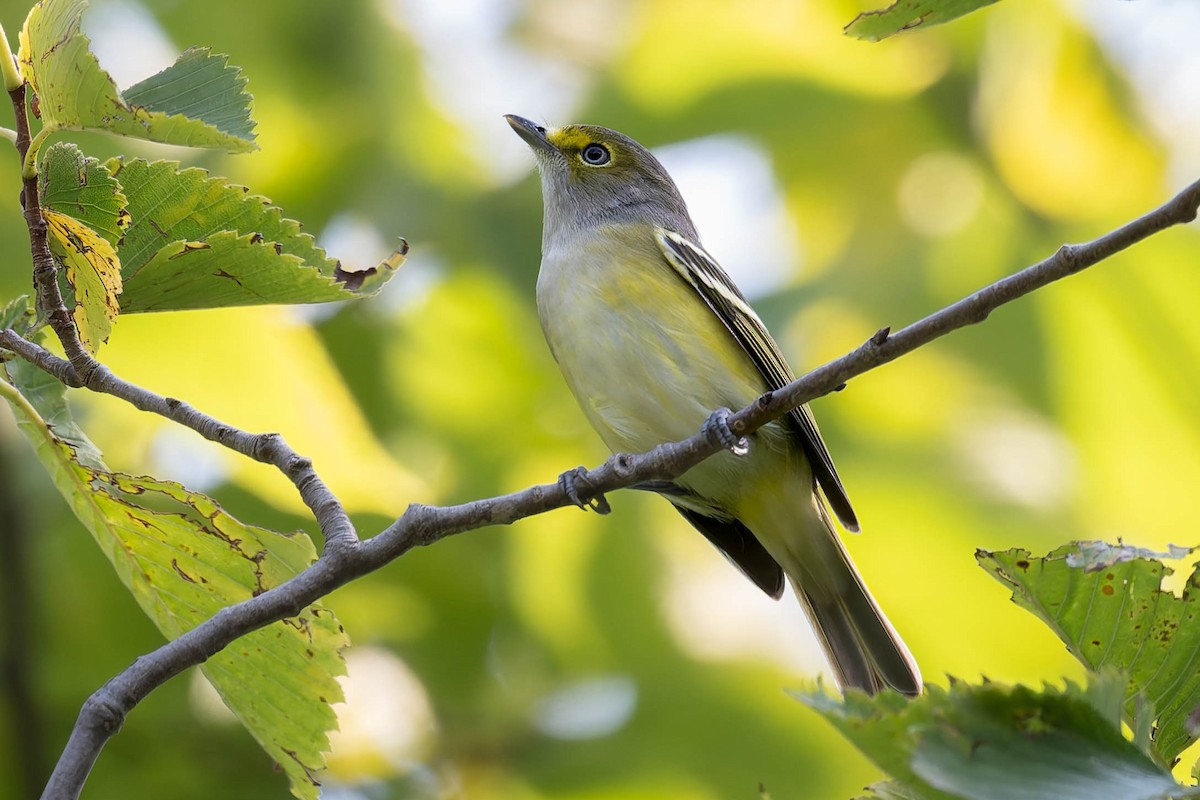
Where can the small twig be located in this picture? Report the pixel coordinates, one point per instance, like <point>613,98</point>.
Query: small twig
<point>269,448</point>
<point>81,370</point>
<point>104,712</point>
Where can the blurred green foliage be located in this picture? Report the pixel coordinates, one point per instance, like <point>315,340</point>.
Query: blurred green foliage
<point>572,656</point>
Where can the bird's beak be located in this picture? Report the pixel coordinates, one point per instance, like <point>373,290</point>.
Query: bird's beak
<point>533,134</point>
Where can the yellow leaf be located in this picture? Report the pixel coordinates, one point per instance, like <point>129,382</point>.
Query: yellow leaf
<point>93,271</point>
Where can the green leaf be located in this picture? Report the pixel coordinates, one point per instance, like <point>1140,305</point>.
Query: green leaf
<point>19,316</point>
<point>81,187</point>
<point>225,270</point>
<point>881,728</point>
<point>995,742</point>
<point>891,790</point>
<point>93,272</point>
<point>904,15</point>
<point>75,93</point>
<point>177,213</point>
<point>202,86</point>
<point>183,558</point>
<point>1106,603</point>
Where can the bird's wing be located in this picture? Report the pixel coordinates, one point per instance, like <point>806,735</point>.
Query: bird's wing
<point>733,539</point>
<point>705,275</point>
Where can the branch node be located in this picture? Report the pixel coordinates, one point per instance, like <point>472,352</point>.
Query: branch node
<point>1068,254</point>
<point>622,465</point>
<point>297,465</point>
<point>266,445</point>
<point>103,712</point>
<point>880,336</point>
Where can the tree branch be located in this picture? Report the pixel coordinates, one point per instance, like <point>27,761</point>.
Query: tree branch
<point>80,369</point>
<point>104,712</point>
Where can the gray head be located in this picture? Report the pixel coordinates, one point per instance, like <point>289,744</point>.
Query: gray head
<point>594,176</point>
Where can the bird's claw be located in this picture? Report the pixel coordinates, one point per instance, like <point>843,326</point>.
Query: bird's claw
<point>716,430</point>
<point>572,481</point>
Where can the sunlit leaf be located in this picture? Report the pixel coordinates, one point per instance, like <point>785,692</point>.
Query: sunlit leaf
<point>904,15</point>
<point>225,270</point>
<point>199,85</point>
<point>184,559</point>
<point>891,790</point>
<point>996,742</point>
<point>181,105</point>
<point>200,242</point>
<point>81,187</point>
<point>1117,617</point>
<point>93,272</point>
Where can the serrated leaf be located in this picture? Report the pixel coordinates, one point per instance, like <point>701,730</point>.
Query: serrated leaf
<point>18,315</point>
<point>904,15</point>
<point>880,727</point>
<point>890,790</point>
<point>93,272</point>
<point>170,206</point>
<point>995,742</point>
<point>75,93</point>
<point>184,558</point>
<point>81,187</point>
<point>1118,617</point>
<point>199,85</point>
<point>225,270</point>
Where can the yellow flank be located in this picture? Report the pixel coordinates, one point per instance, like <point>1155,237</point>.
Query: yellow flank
<point>646,358</point>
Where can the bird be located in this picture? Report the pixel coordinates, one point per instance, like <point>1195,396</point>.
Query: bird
<point>656,342</point>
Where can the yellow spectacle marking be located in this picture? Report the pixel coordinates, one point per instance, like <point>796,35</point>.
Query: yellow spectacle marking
<point>569,138</point>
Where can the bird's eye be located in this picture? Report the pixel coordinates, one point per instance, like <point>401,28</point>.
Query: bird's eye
<point>595,154</point>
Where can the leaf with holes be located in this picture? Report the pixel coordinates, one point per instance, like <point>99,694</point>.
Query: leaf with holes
<point>92,270</point>
<point>905,15</point>
<point>997,742</point>
<point>197,102</point>
<point>183,558</point>
<point>184,222</point>
<point>78,186</point>
<point>1107,604</point>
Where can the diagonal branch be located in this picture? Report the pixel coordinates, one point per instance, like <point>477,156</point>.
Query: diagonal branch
<point>104,712</point>
<point>80,369</point>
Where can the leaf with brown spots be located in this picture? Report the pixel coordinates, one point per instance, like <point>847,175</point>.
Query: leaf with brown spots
<point>199,101</point>
<point>999,742</point>
<point>1106,602</point>
<point>257,256</point>
<point>92,270</point>
<point>184,558</point>
<point>81,187</point>
<point>905,15</point>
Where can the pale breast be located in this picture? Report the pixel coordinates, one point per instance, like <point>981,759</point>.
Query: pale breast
<point>645,357</point>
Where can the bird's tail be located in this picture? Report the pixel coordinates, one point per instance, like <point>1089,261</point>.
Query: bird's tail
<point>861,644</point>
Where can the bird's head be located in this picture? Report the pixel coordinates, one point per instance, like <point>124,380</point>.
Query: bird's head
<point>594,176</point>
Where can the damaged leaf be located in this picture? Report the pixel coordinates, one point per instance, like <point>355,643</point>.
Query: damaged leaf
<point>184,558</point>
<point>1118,617</point>
<point>196,102</point>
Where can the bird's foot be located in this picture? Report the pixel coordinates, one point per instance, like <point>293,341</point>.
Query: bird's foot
<point>716,429</point>
<point>572,482</point>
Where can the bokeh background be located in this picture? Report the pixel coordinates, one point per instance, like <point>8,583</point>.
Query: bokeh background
<point>845,185</point>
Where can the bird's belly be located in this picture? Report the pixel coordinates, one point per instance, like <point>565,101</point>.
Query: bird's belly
<point>646,358</point>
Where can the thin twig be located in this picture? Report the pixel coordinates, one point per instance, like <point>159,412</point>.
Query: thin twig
<point>104,712</point>
<point>80,369</point>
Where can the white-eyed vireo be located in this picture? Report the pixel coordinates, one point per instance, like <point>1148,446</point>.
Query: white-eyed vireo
<point>652,336</point>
